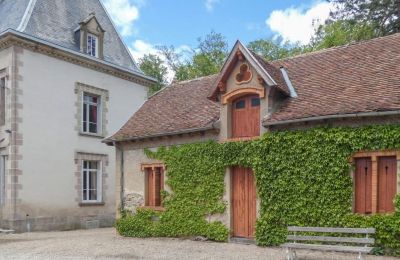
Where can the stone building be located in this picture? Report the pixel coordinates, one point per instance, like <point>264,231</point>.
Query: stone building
<point>353,85</point>
<point>67,81</point>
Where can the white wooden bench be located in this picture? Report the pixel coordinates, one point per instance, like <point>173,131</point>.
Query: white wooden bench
<point>350,244</point>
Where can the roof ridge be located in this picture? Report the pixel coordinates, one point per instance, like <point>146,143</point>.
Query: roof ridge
<point>336,47</point>
<point>191,80</point>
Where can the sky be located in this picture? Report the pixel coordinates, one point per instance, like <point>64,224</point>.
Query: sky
<point>146,24</point>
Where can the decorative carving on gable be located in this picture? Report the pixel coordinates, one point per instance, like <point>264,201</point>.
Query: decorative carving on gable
<point>245,75</point>
<point>261,80</point>
<point>222,86</point>
<point>239,55</point>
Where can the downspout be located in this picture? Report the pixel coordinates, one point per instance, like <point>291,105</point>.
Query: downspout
<point>122,177</point>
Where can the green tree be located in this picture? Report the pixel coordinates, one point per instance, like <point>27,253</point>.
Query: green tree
<point>340,33</point>
<point>206,59</point>
<point>382,15</point>
<point>153,66</point>
<point>274,50</point>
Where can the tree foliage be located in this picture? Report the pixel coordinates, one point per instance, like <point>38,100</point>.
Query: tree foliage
<point>382,15</point>
<point>274,50</point>
<point>153,66</point>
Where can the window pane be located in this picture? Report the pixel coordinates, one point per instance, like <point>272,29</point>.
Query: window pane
<point>240,104</point>
<point>85,184</point>
<point>255,102</point>
<point>84,114</point>
<point>93,180</point>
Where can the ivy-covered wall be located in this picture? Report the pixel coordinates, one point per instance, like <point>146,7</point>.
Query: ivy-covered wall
<point>302,178</point>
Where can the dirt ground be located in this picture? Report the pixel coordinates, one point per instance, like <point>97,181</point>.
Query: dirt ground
<point>106,244</point>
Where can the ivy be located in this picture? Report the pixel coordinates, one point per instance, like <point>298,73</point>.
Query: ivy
<point>302,178</point>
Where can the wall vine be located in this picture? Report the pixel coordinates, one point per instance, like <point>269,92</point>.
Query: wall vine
<point>302,178</point>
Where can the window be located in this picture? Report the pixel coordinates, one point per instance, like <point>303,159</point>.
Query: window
<point>2,180</point>
<point>91,114</point>
<point>240,104</point>
<point>91,180</point>
<point>2,101</point>
<point>155,184</point>
<point>375,182</point>
<point>92,45</point>
<point>255,102</point>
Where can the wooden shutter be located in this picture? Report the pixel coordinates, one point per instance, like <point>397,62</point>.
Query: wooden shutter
<point>155,180</point>
<point>387,183</point>
<point>363,186</point>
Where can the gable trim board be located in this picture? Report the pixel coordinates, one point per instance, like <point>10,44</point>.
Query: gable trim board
<point>11,37</point>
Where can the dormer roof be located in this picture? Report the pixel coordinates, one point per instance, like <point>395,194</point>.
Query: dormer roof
<point>270,74</point>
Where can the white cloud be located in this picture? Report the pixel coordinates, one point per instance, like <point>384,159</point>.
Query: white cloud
<point>210,4</point>
<point>140,48</point>
<point>298,24</point>
<point>123,13</point>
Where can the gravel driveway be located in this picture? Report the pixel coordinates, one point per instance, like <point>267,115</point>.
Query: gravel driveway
<point>106,244</point>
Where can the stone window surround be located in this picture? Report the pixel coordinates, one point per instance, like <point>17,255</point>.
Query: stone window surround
<point>81,156</point>
<point>374,155</point>
<point>80,89</point>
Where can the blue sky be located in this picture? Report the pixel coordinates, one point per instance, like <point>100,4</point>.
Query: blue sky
<point>145,24</point>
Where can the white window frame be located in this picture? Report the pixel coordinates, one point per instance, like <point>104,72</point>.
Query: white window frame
<point>99,182</point>
<point>89,39</point>
<point>99,126</point>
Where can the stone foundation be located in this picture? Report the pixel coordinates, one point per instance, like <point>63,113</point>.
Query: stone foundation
<point>58,223</point>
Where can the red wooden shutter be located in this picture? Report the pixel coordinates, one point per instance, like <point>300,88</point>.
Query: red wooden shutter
<point>155,183</point>
<point>363,186</point>
<point>387,184</point>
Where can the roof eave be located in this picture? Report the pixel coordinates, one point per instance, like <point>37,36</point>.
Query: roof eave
<point>212,126</point>
<point>326,117</point>
<point>12,32</point>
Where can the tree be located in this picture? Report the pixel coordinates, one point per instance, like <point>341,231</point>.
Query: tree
<point>206,59</point>
<point>340,33</point>
<point>382,15</point>
<point>273,50</point>
<point>153,66</point>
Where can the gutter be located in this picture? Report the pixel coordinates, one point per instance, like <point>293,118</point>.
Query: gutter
<point>212,126</point>
<point>76,53</point>
<point>319,118</point>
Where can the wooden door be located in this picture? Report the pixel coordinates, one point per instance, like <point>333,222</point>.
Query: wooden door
<point>155,182</point>
<point>246,116</point>
<point>363,186</point>
<point>243,202</point>
<point>387,183</point>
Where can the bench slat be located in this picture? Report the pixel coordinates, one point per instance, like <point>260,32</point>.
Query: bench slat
<point>332,239</point>
<point>352,249</point>
<point>332,230</point>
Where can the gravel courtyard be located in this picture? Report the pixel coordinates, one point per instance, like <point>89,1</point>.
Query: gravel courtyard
<point>106,244</point>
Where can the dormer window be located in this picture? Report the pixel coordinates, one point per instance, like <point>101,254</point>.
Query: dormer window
<point>92,45</point>
<point>90,37</point>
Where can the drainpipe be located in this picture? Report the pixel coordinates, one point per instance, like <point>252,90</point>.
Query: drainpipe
<point>122,177</point>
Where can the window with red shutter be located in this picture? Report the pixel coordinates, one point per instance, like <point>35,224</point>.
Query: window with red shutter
<point>155,184</point>
<point>363,186</point>
<point>387,184</point>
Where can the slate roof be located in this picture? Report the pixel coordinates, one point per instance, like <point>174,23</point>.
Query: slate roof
<point>357,78</point>
<point>178,107</point>
<point>55,22</point>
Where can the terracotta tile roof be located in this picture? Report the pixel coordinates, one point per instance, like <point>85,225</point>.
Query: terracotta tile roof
<point>362,77</point>
<point>274,72</point>
<point>182,106</point>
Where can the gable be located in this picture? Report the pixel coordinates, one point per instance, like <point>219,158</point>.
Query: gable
<point>266,74</point>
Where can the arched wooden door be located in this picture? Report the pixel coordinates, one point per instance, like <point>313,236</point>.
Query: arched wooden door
<point>246,116</point>
<point>244,200</point>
